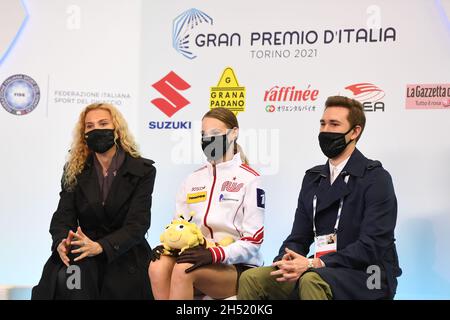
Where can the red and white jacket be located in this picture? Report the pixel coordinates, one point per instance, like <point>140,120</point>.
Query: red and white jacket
<point>228,201</point>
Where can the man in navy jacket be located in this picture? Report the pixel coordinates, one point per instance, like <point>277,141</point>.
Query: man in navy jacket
<point>348,209</point>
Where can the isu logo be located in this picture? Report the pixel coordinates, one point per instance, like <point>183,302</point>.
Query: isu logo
<point>366,92</point>
<point>168,87</point>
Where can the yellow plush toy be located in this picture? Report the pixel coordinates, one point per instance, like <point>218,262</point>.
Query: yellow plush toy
<point>181,235</point>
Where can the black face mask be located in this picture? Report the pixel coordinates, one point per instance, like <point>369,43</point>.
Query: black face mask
<point>100,140</point>
<point>333,143</point>
<point>214,147</point>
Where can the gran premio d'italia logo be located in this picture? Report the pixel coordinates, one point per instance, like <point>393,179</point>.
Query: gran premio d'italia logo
<point>183,25</point>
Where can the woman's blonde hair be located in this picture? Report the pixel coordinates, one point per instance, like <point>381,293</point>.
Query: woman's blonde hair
<point>230,121</point>
<point>79,150</point>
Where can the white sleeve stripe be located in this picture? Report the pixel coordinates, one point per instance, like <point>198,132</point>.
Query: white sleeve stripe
<point>258,232</point>
<point>258,238</point>
<point>223,253</point>
<point>214,256</point>
<point>219,255</point>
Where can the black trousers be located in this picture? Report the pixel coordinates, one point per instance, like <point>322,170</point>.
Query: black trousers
<point>82,280</point>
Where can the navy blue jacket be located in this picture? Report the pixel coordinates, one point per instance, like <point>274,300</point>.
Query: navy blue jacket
<point>366,229</point>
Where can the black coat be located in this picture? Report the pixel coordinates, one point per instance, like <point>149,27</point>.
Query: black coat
<point>119,226</point>
<point>366,230</point>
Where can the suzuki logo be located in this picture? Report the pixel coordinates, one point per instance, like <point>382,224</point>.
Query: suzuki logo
<point>168,87</point>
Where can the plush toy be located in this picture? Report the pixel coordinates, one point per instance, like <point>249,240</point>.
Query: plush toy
<point>181,235</point>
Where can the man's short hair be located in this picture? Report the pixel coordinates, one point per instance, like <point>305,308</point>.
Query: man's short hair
<point>356,114</point>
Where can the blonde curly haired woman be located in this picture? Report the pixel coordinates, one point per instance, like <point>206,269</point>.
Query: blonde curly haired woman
<point>99,248</point>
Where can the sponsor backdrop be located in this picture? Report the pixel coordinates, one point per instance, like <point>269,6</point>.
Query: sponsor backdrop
<point>165,63</point>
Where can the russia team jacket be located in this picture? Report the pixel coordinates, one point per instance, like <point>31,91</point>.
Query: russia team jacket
<point>228,201</point>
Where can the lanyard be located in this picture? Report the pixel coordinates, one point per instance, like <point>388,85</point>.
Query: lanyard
<point>336,225</point>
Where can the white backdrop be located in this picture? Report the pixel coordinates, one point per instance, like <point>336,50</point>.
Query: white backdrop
<point>116,50</point>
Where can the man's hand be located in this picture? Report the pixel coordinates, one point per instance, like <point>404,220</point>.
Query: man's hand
<point>291,267</point>
<point>64,247</point>
<point>88,248</point>
<point>198,256</point>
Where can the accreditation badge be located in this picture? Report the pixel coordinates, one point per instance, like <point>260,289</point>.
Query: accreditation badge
<point>325,244</point>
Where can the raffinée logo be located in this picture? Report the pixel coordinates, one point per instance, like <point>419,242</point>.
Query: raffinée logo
<point>173,101</point>
<point>183,27</point>
<point>291,99</point>
<point>270,108</point>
